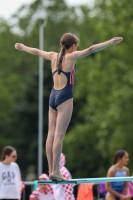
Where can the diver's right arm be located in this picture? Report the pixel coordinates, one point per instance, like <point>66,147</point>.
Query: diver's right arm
<point>46,55</point>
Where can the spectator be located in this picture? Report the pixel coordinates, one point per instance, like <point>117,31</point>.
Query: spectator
<point>43,192</point>
<point>10,177</point>
<point>115,189</point>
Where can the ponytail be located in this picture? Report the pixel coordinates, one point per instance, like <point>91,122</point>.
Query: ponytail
<point>59,63</point>
<point>115,160</point>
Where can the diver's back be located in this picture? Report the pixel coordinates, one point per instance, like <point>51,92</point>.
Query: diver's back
<point>60,80</point>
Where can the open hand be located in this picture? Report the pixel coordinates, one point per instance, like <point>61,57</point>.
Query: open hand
<point>116,40</point>
<point>125,197</point>
<point>19,46</point>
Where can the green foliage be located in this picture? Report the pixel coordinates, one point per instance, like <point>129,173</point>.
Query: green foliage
<point>106,84</point>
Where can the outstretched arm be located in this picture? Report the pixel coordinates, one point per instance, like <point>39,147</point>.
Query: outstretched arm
<point>46,55</point>
<point>94,48</point>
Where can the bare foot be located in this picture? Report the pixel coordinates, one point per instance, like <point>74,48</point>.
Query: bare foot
<point>57,178</point>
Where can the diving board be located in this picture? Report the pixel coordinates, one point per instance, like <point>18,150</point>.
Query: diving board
<point>89,180</point>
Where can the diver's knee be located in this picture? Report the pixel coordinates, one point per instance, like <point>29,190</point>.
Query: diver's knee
<point>59,136</point>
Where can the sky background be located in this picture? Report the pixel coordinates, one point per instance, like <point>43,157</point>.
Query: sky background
<point>9,7</point>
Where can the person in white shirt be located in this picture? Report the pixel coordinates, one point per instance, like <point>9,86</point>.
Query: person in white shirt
<point>10,176</point>
<point>42,192</point>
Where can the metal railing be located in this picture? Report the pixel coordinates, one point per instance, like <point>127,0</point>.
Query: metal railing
<point>32,185</point>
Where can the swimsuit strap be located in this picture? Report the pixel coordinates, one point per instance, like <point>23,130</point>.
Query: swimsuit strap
<point>118,169</point>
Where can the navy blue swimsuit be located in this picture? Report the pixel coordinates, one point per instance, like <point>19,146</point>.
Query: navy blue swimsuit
<point>59,96</point>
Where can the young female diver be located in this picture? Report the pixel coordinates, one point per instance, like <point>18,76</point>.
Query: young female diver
<point>61,97</point>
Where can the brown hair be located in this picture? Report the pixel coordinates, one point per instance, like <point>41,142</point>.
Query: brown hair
<point>66,41</point>
<point>7,151</point>
<point>119,154</point>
